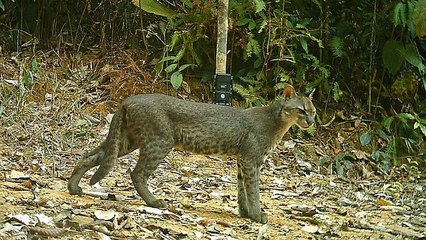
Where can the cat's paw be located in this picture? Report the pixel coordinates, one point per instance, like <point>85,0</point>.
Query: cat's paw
<point>243,212</point>
<point>263,218</point>
<point>260,218</point>
<point>75,190</point>
<point>158,204</point>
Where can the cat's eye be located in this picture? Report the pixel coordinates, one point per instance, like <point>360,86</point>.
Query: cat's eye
<point>301,110</point>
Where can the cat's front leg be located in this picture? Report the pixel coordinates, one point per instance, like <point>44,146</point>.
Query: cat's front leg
<point>250,172</point>
<point>242,195</point>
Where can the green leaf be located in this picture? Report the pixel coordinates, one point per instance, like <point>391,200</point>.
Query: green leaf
<point>27,79</point>
<point>259,4</point>
<point>376,154</point>
<point>152,6</point>
<point>323,160</point>
<point>176,79</point>
<point>336,92</point>
<point>35,65</point>
<point>258,63</point>
<point>1,5</point>
<point>410,18</point>
<point>419,18</point>
<point>185,66</point>
<point>168,58</point>
<point>159,67</point>
<point>252,24</point>
<point>252,47</point>
<point>195,55</point>
<point>416,125</point>
<point>255,46</point>
<point>365,138</point>
<point>348,164</point>
<point>260,75</point>
<point>280,85</point>
<point>387,123</point>
<point>170,68</point>
<point>406,116</point>
<point>180,54</point>
<point>423,129</point>
<point>424,83</point>
<point>393,55</point>
<point>412,55</point>
<point>382,134</point>
<point>82,122</point>
<point>242,22</point>
<point>175,39</point>
<point>188,3</point>
<point>304,44</point>
<point>345,155</point>
<point>398,14</point>
<point>339,169</point>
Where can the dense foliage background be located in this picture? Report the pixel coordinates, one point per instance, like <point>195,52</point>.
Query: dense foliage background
<point>365,57</point>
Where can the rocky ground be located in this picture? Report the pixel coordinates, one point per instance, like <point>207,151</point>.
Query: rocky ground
<point>62,111</point>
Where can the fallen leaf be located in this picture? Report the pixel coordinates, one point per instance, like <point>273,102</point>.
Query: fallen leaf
<point>105,215</point>
<point>46,220</point>
<point>27,184</point>
<point>361,196</point>
<point>343,201</point>
<point>278,194</point>
<point>360,154</point>
<point>12,82</point>
<point>81,220</point>
<point>47,232</point>
<point>289,144</point>
<point>223,223</point>
<point>23,218</point>
<point>206,222</point>
<point>18,175</point>
<point>383,202</point>
<point>10,228</point>
<point>310,228</point>
<point>102,236</point>
<point>263,232</point>
<point>357,123</point>
<point>302,207</point>
<point>393,208</point>
<point>361,214</point>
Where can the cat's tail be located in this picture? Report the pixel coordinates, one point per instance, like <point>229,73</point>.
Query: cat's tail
<point>110,147</point>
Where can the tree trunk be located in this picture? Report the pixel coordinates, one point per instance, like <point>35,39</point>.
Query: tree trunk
<point>222,36</point>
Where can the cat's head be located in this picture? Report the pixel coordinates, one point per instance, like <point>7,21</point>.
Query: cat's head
<point>299,109</point>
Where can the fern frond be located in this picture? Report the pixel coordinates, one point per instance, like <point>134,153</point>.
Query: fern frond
<point>337,47</point>
<point>253,47</point>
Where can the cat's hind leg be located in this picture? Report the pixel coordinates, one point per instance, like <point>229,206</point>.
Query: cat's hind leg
<point>150,157</point>
<point>88,161</point>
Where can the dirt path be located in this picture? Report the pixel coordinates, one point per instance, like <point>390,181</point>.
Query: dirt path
<point>201,192</point>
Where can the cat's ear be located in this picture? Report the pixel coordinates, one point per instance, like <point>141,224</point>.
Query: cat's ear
<point>289,92</point>
<point>311,95</point>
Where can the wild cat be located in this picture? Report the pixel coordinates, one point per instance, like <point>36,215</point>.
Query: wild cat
<point>155,124</point>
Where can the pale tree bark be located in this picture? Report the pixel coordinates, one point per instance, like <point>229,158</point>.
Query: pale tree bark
<point>222,36</point>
